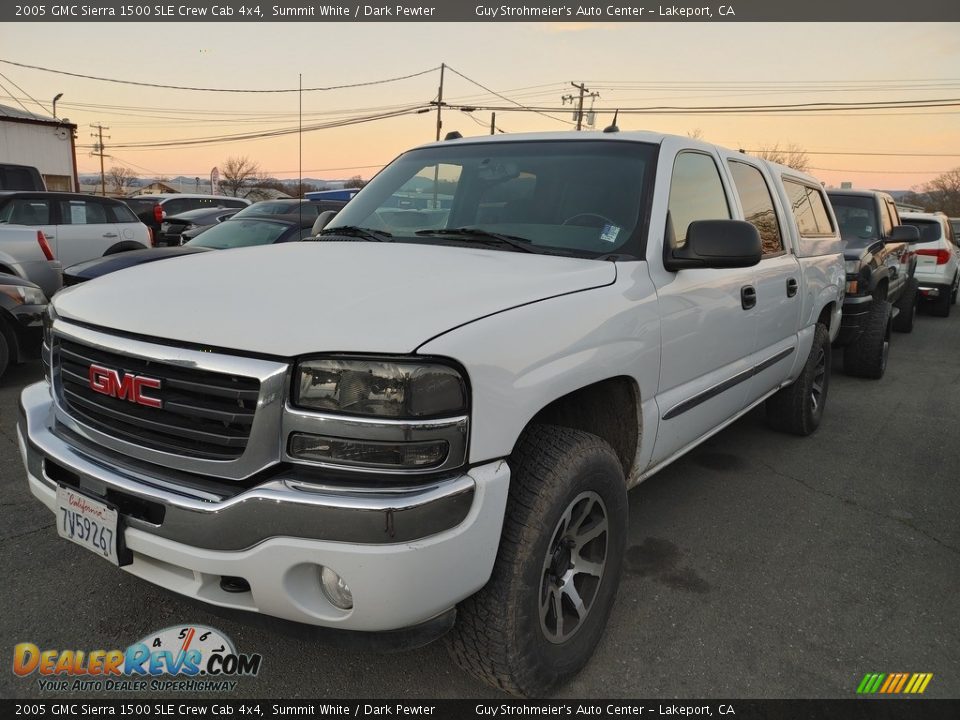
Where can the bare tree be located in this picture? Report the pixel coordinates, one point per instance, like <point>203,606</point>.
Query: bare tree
<point>239,176</point>
<point>943,193</point>
<point>121,178</point>
<point>791,155</point>
<point>696,133</point>
<point>355,182</point>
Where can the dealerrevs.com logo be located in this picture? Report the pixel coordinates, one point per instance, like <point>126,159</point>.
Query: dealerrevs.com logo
<point>181,658</point>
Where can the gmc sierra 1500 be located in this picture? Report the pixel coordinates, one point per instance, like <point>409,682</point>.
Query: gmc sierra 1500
<point>437,412</point>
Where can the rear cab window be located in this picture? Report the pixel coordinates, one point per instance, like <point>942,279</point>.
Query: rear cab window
<point>809,209</point>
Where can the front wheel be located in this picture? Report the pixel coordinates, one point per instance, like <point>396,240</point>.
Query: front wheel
<point>798,408</point>
<point>539,618</point>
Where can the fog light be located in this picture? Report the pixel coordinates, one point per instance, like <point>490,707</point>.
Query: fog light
<point>368,453</point>
<point>336,590</point>
<point>852,287</point>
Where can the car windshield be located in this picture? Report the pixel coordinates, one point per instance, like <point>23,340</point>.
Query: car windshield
<point>279,208</point>
<point>239,233</point>
<point>930,230</point>
<point>857,217</point>
<point>578,197</point>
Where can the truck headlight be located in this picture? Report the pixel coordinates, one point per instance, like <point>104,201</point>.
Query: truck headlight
<point>380,388</point>
<point>852,267</point>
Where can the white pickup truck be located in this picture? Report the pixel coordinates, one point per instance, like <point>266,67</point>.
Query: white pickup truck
<point>434,412</point>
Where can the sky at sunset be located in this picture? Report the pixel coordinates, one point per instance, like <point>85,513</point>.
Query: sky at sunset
<point>629,65</point>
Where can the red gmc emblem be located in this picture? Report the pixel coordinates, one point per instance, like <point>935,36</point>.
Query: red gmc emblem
<point>107,381</point>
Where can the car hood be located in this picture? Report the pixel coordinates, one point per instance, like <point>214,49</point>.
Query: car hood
<point>298,298</point>
<point>90,269</point>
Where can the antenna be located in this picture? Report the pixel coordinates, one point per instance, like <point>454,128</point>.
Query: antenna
<point>612,127</point>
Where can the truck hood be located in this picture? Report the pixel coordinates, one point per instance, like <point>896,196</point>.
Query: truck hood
<point>300,298</point>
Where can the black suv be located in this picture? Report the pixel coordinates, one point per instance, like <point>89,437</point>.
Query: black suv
<point>881,291</point>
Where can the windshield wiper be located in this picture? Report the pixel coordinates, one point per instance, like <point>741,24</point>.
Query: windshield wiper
<point>515,241</point>
<point>357,232</point>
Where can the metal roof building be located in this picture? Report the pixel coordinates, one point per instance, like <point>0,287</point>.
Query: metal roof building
<point>44,142</point>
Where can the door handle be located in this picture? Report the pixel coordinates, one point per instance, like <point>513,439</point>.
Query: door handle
<point>110,235</point>
<point>47,237</point>
<point>748,296</point>
<point>792,287</point>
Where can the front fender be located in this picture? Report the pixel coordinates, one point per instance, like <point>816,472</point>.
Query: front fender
<point>521,360</point>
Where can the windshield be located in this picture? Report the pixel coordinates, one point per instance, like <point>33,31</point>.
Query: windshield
<point>857,217</point>
<point>279,208</point>
<point>930,230</point>
<point>239,233</point>
<point>580,198</point>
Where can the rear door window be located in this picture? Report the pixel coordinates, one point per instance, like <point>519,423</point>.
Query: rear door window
<point>83,212</point>
<point>757,203</point>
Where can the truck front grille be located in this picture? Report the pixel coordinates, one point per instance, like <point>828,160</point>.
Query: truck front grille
<point>202,414</point>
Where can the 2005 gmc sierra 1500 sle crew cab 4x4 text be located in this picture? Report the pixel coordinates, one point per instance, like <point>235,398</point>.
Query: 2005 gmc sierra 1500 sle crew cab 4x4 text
<point>435,418</point>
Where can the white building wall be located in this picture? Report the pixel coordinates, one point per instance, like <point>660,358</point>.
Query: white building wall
<point>47,147</point>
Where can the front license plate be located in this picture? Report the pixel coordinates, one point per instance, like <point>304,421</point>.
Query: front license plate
<point>87,522</point>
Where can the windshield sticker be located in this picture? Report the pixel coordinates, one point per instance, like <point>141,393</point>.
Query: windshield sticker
<point>609,233</point>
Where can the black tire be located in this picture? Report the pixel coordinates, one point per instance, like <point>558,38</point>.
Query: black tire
<point>907,305</point>
<point>798,408</point>
<point>956,288</point>
<point>943,302</point>
<point>4,352</point>
<point>867,357</point>
<point>503,634</point>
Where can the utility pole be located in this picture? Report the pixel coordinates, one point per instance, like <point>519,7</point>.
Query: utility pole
<point>98,150</point>
<point>579,100</point>
<point>493,123</point>
<point>440,101</point>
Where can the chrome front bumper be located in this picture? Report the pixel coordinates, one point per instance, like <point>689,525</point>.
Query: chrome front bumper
<point>408,554</point>
<point>221,516</point>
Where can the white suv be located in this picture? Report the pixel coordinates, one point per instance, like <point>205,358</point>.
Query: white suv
<point>938,259</point>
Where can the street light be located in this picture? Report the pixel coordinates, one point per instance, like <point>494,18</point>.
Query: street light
<point>58,96</point>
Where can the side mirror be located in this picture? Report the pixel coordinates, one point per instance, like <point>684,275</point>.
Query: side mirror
<point>904,233</point>
<point>323,219</point>
<point>716,244</point>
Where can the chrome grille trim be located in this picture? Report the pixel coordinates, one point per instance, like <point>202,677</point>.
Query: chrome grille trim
<point>254,441</point>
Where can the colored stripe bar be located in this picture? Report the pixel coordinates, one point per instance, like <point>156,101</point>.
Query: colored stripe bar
<point>926,681</point>
<point>861,688</point>
<point>888,683</point>
<point>900,682</point>
<point>914,682</point>
<point>875,685</point>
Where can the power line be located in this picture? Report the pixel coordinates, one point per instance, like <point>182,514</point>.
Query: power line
<point>220,139</point>
<point>884,172</point>
<point>872,154</point>
<point>29,112</point>
<point>218,90</point>
<point>24,92</point>
<point>504,97</point>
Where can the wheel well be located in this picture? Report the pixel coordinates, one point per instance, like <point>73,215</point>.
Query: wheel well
<point>608,409</point>
<point>826,316</point>
<point>880,292</point>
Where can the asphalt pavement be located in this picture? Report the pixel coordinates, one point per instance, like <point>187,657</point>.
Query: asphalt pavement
<point>759,566</point>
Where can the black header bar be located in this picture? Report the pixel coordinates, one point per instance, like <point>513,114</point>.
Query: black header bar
<point>636,11</point>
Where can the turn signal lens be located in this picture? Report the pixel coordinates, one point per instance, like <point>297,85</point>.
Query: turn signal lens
<point>368,453</point>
